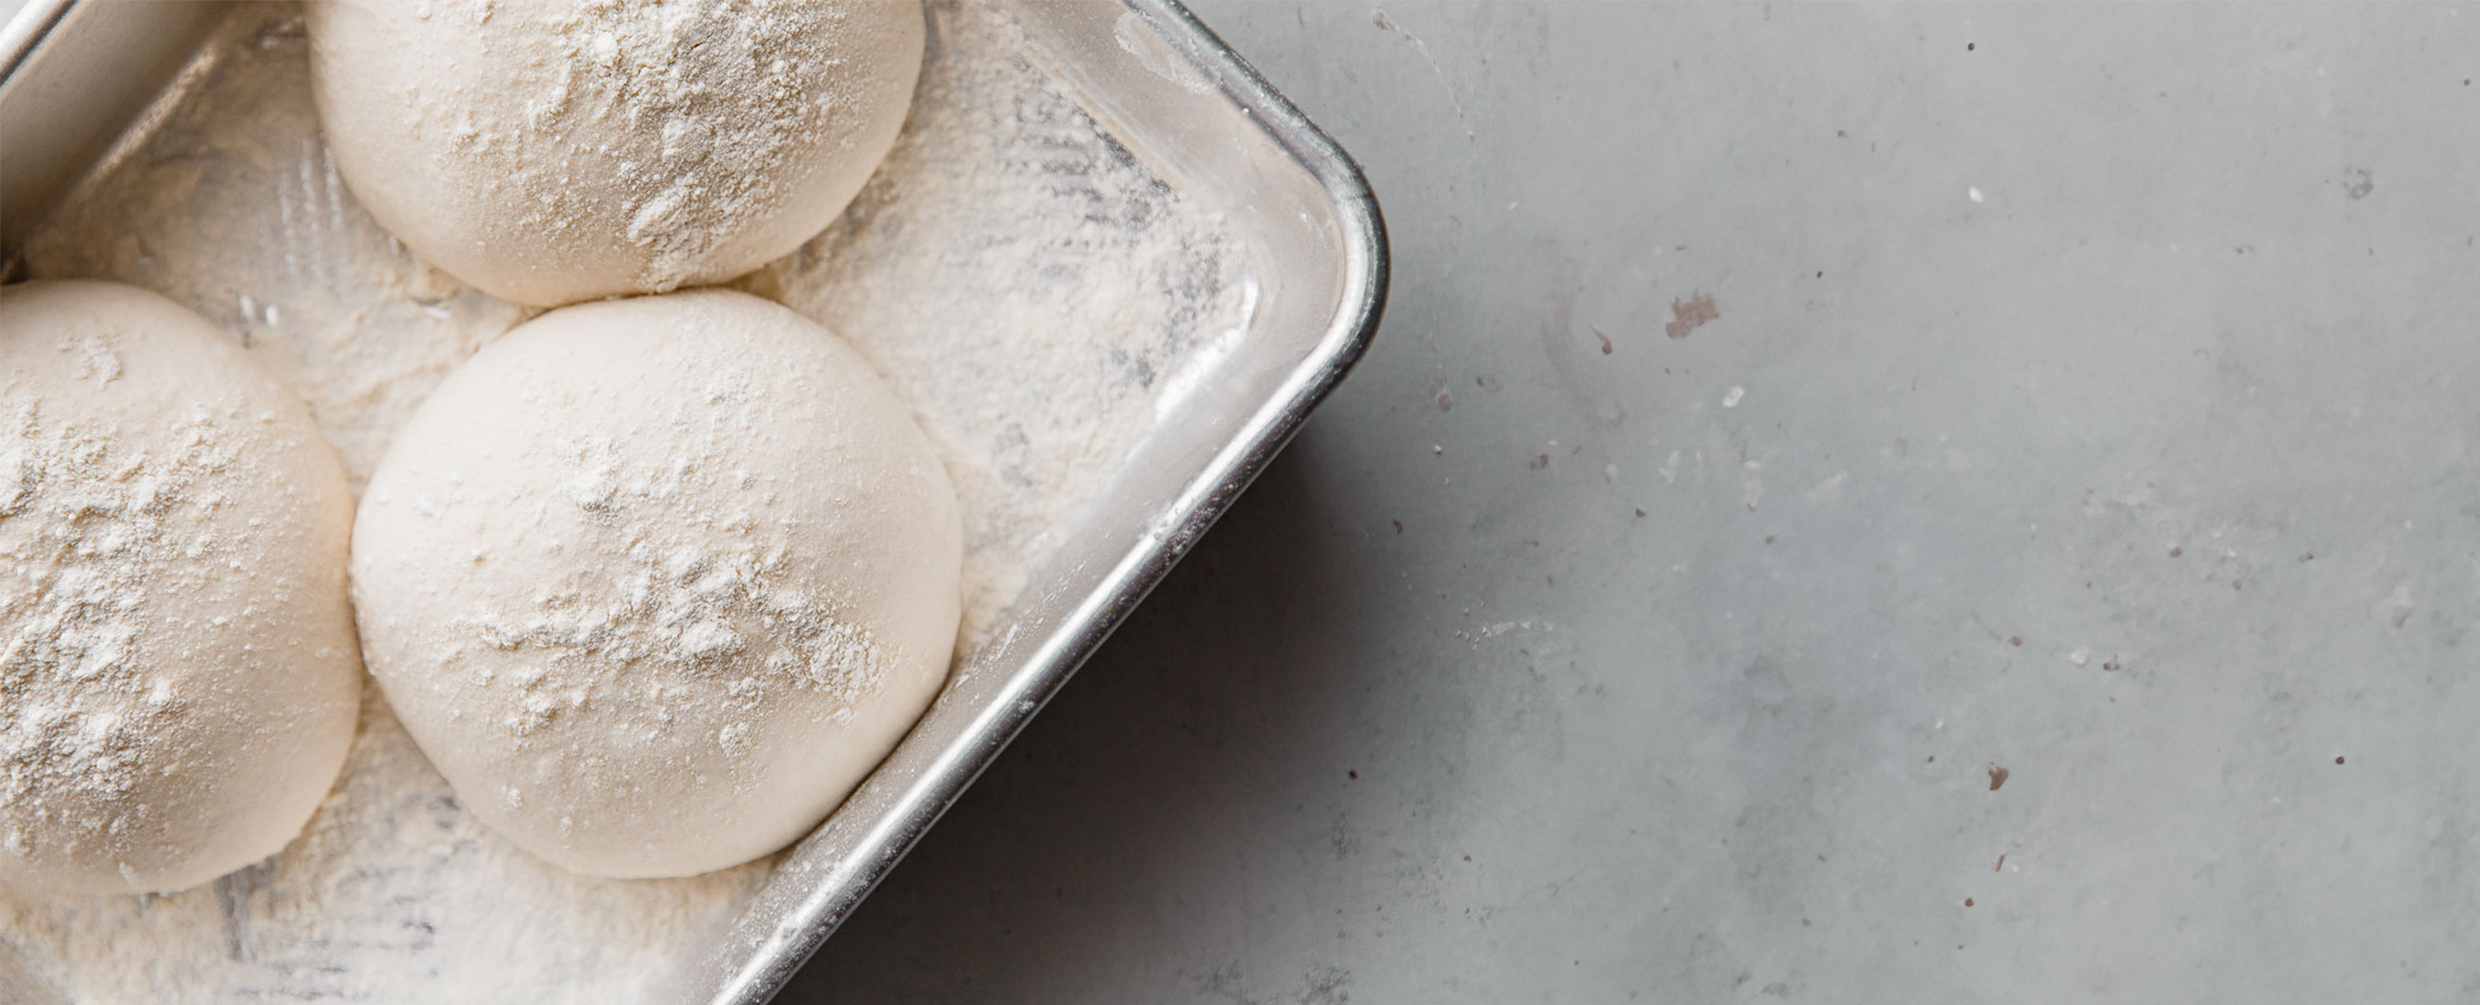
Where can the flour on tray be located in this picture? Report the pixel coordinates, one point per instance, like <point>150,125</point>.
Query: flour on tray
<point>1020,278</point>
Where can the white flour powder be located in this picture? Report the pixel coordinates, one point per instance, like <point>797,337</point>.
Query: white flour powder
<point>1020,279</point>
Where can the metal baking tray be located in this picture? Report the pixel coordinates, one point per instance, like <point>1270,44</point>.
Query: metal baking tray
<point>75,75</point>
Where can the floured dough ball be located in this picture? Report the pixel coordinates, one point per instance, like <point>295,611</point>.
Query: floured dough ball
<point>554,151</point>
<point>178,677</point>
<point>655,582</point>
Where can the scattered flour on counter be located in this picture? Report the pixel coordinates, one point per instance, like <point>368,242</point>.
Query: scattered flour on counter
<point>1021,280</point>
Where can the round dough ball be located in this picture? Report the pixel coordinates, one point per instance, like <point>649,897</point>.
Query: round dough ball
<point>178,677</point>
<point>557,151</point>
<point>655,582</point>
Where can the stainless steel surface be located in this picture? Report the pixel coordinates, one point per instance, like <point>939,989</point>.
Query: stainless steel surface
<point>72,75</point>
<point>1179,101</point>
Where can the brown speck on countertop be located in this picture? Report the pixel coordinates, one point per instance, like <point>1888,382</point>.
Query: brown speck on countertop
<point>2110,664</point>
<point>2234,584</point>
<point>1356,776</point>
<point>1967,902</point>
<point>1597,333</point>
<point>2174,551</point>
<point>1997,777</point>
<point>2338,760</point>
<point>2014,640</point>
<point>2001,864</point>
<point>1540,461</point>
<point>1640,512</point>
<point>1446,402</point>
<point>1687,314</point>
<point>1399,525</point>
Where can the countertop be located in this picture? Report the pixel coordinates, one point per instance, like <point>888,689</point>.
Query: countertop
<point>2082,403</point>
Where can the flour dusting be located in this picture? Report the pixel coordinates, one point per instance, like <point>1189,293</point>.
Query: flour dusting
<point>552,153</point>
<point>1022,281</point>
<point>87,702</point>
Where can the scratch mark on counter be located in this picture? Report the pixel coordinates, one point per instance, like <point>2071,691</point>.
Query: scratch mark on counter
<point>1379,18</point>
<point>1562,345</point>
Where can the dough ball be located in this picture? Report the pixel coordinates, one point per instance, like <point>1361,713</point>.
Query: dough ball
<point>655,582</point>
<point>178,677</point>
<point>554,151</point>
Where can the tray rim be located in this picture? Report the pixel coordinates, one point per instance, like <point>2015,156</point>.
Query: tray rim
<point>25,32</point>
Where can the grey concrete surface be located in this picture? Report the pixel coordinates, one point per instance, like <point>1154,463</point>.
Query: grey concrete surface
<point>2090,397</point>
